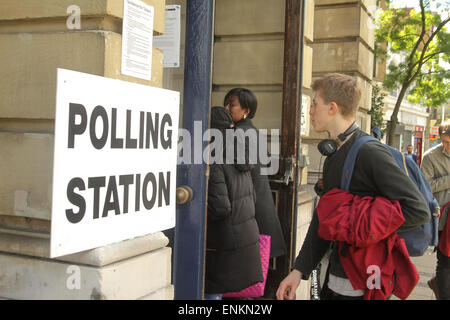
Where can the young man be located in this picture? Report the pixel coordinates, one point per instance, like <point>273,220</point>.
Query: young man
<point>376,173</point>
<point>436,168</point>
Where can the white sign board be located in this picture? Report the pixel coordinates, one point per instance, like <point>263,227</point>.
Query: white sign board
<point>137,38</point>
<point>169,42</point>
<point>115,157</point>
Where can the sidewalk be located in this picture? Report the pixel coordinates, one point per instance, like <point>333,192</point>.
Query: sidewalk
<point>426,266</point>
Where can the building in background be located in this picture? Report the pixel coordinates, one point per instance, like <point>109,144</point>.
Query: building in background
<point>437,117</point>
<point>411,127</point>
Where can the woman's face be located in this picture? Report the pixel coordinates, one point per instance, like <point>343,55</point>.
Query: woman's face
<point>237,112</point>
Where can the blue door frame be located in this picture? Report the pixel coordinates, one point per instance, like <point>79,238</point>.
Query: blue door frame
<point>189,240</point>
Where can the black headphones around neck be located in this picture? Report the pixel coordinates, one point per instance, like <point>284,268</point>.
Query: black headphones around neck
<point>329,146</point>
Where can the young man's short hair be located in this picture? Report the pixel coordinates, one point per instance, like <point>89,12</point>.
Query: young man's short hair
<point>339,88</point>
<point>444,128</point>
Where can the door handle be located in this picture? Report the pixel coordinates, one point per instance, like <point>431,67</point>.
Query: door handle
<point>184,194</point>
<point>289,170</point>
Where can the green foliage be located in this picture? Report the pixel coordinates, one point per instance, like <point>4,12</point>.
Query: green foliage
<point>407,33</point>
<point>420,41</point>
<point>431,89</point>
<point>376,109</point>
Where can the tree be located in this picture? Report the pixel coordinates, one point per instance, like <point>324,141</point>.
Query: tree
<point>422,39</point>
<point>432,88</point>
<point>376,109</point>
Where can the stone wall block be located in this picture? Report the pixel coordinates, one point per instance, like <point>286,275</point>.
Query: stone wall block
<point>28,11</point>
<point>248,62</point>
<point>30,62</point>
<point>309,20</point>
<point>307,66</point>
<point>343,22</point>
<point>336,22</point>
<point>343,57</point>
<point>29,278</point>
<point>26,174</point>
<point>37,244</point>
<point>237,17</point>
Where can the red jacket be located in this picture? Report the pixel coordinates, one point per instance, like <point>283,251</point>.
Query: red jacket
<point>444,239</point>
<point>375,258</point>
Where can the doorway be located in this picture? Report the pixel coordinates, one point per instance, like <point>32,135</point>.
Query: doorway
<point>234,43</point>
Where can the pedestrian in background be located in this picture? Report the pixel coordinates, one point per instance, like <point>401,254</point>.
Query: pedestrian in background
<point>233,259</point>
<point>242,105</point>
<point>409,153</point>
<point>436,168</point>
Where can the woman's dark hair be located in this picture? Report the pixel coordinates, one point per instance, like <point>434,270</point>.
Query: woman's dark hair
<point>246,98</point>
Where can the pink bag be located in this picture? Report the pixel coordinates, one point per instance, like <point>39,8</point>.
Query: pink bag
<point>256,290</point>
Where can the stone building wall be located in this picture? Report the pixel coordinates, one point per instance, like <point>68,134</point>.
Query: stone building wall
<point>35,41</point>
<point>344,43</point>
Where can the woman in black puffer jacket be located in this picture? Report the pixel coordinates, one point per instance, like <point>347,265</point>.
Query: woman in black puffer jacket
<point>233,259</point>
<point>242,105</point>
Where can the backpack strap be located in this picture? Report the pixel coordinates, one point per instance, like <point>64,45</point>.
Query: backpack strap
<point>404,165</point>
<point>349,164</point>
<point>399,157</point>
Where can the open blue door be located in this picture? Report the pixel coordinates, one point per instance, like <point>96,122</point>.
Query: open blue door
<point>189,240</point>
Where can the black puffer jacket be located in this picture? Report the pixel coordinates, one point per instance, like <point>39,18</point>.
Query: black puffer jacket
<point>233,259</point>
<point>265,214</point>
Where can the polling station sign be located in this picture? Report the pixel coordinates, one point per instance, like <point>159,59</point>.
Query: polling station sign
<point>115,157</point>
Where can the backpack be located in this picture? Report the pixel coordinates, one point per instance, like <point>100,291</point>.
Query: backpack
<point>418,239</point>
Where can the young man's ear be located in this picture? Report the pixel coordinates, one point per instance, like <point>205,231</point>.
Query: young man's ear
<point>333,108</point>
